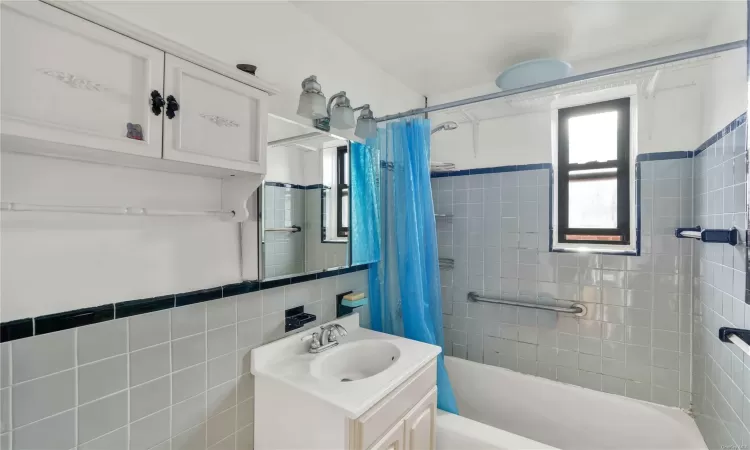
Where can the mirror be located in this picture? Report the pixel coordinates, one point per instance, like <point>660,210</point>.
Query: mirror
<point>305,202</point>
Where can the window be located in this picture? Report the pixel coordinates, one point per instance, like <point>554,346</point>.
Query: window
<point>594,174</point>
<point>342,191</point>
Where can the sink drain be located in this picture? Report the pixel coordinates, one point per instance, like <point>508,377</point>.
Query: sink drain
<point>343,380</point>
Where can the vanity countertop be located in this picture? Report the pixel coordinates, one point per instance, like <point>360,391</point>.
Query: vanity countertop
<point>289,362</point>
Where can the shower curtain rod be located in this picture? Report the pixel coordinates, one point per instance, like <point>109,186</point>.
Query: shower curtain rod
<point>585,76</point>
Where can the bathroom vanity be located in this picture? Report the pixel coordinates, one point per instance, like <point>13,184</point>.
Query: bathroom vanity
<point>371,391</point>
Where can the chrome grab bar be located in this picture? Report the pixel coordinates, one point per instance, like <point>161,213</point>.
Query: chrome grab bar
<point>577,309</point>
<point>292,229</point>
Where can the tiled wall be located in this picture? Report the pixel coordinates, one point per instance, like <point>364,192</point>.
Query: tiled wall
<point>174,379</point>
<point>283,253</point>
<point>721,372</point>
<point>634,340</point>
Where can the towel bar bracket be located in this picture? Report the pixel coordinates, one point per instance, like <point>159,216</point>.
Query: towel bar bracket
<point>724,333</point>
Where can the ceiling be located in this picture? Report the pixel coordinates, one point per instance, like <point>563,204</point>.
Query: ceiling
<point>439,47</point>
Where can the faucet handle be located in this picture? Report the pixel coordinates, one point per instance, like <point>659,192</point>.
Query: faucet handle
<point>315,338</point>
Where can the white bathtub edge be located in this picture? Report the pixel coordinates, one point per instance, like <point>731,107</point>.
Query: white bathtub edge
<point>456,432</point>
<point>473,378</point>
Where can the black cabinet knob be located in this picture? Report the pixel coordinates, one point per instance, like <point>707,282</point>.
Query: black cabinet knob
<point>172,106</point>
<point>157,102</point>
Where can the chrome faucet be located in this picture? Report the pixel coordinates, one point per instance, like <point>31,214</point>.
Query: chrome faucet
<point>326,339</point>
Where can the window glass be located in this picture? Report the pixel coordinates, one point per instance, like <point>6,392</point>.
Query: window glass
<point>592,203</point>
<point>592,137</point>
<point>345,211</point>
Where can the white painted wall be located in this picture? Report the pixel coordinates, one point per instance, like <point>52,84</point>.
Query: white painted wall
<point>671,120</point>
<point>313,168</point>
<point>724,92</point>
<point>53,262</point>
<point>286,165</point>
<point>285,43</point>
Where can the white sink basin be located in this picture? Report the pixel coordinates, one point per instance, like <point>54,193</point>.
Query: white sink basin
<point>376,363</point>
<point>355,361</point>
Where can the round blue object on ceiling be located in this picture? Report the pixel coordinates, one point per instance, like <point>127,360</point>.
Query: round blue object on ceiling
<point>532,72</point>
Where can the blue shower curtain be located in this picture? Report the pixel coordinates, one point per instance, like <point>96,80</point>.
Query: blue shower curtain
<point>364,233</point>
<point>405,284</point>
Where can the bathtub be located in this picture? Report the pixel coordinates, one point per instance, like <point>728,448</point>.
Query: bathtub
<point>502,409</point>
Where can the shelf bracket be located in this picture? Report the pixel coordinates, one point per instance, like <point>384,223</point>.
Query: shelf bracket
<point>235,192</point>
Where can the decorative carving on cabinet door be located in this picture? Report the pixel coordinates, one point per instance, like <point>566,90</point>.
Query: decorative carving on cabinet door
<point>74,81</point>
<point>219,121</point>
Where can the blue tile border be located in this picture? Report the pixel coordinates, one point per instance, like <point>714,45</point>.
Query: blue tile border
<point>660,156</point>
<point>72,319</point>
<point>287,185</point>
<point>16,329</point>
<point>296,186</point>
<point>733,125</point>
<point>498,169</point>
<point>317,186</point>
<point>203,295</point>
<point>143,306</point>
<point>34,326</point>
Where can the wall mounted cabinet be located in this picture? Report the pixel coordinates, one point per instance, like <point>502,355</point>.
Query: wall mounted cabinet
<point>68,81</point>
<point>220,123</point>
<point>74,89</point>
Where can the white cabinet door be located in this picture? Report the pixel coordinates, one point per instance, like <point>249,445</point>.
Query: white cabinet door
<point>420,424</point>
<point>66,80</point>
<point>392,440</point>
<point>220,122</point>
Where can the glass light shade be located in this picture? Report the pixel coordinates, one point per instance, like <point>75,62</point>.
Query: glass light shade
<point>366,128</point>
<point>342,117</point>
<point>312,105</point>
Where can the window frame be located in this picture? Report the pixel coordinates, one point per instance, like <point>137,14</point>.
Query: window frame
<point>342,190</point>
<point>623,98</point>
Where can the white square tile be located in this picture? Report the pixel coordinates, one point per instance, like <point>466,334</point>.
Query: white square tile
<point>220,313</point>
<point>150,397</point>
<point>188,414</point>
<point>102,378</point>
<point>149,364</point>
<point>37,356</point>
<point>150,431</point>
<point>102,340</point>
<point>188,383</point>
<point>102,416</point>
<point>150,329</point>
<point>188,351</point>
<point>57,432</point>
<point>42,397</point>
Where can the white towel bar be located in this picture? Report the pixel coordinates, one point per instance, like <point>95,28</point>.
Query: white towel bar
<point>112,210</point>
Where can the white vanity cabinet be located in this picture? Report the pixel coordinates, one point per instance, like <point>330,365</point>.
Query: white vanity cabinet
<point>419,424</point>
<point>66,80</point>
<point>74,89</point>
<point>411,407</point>
<point>335,400</point>
<point>403,419</point>
<point>416,431</point>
